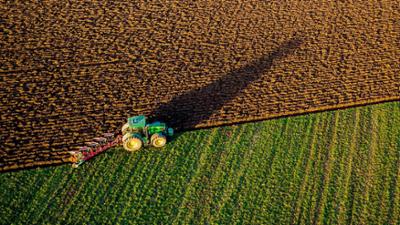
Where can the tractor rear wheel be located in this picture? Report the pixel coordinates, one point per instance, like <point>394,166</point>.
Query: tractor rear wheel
<point>126,136</point>
<point>158,140</point>
<point>124,128</point>
<point>132,144</point>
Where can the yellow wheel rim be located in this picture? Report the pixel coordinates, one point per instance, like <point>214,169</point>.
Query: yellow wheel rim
<point>159,142</point>
<point>133,144</point>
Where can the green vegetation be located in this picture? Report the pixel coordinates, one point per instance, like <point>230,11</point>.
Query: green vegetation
<point>334,167</point>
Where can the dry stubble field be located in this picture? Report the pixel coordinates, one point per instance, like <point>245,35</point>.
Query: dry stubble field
<point>70,70</point>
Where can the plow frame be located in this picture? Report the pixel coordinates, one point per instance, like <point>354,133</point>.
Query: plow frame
<point>79,157</point>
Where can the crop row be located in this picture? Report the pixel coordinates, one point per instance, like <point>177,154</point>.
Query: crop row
<point>332,167</point>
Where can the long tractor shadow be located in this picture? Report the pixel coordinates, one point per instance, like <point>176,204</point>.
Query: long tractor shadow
<point>187,111</point>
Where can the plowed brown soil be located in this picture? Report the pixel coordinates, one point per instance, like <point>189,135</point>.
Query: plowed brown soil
<point>70,70</point>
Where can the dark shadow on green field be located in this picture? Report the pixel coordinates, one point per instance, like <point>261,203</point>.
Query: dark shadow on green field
<point>211,98</point>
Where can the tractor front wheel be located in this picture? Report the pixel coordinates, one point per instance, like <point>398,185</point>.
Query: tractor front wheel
<point>158,140</point>
<point>132,144</point>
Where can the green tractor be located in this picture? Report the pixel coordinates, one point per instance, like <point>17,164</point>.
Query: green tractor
<point>136,133</point>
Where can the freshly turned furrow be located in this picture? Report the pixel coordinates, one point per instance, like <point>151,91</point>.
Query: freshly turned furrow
<point>71,71</point>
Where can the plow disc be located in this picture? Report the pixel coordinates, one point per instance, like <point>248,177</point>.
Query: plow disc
<point>94,148</point>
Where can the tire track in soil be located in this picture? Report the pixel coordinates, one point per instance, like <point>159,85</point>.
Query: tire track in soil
<point>233,160</point>
<point>269,169</point>
<point>349,167</point>
<point>337,182</point>
<point>261,151</point>
<point>299,164</point>
<point>48,202</point>
<point>327,172</point>
<point>357,178</point>
<point>295,214</point>
<point>193,161</point>
<point>370,167</point>
<point>89,171</point>
<point>190,187</point>
<point>237,163</point>
<point>394,190</point>
<point>311,187</point>
<point>381,198</point>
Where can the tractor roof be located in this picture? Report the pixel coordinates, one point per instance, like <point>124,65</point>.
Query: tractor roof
<point>137,121</point>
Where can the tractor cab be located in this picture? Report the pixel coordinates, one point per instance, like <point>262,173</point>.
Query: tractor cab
<point>137,122</point>
<point>137,133</point>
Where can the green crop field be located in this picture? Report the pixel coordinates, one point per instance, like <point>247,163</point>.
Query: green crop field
<point>336,167</point>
